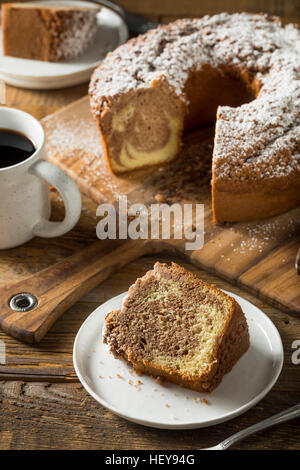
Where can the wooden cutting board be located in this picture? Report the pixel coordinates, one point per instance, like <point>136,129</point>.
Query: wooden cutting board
<point>259,256</point>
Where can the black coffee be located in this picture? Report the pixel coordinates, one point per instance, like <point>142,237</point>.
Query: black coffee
<point>14,148</point>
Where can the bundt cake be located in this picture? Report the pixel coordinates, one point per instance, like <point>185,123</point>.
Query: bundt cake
<point>175,326</point>
<point>242,70</point>
<point>50,32</point>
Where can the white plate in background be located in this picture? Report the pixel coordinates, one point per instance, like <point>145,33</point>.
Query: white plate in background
<point>35,74</point>
<point>108,380</point>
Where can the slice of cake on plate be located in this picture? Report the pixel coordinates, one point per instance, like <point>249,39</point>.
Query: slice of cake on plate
<point>49,32</point>
<point>174,325</point>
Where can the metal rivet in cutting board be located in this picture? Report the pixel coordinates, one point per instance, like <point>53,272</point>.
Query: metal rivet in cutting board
<point>23,302</point>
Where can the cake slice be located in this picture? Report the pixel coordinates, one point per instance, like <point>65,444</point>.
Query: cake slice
<point>50,32</point>
<point>174,325</point>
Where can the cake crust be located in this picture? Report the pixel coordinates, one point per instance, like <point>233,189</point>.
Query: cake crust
<point>231,343</point>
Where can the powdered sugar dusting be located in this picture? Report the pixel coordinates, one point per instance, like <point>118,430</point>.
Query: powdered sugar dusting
<point>81,27</point>
<point>261,139</point>
<point>259,236</point>
<point>75,142</point>
<point>171,51</point>
<point>64,138</point>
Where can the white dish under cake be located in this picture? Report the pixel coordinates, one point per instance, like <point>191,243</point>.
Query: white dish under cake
<point>141,400</point>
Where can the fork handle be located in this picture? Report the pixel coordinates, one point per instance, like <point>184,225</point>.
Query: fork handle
<point>290,413</point>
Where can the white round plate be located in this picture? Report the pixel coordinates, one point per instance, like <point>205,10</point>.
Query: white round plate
<point>36,74</point>
<point>114,384</point>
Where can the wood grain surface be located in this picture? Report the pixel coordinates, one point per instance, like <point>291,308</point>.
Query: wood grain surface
<point>167,10</point>
<point>42,405</point>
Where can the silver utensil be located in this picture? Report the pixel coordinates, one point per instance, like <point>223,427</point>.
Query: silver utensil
<point>297,262</point>
<point>136,24</point>
<point>290,413</point>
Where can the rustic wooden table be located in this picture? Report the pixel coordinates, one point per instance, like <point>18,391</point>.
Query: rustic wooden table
<point>43,406</point>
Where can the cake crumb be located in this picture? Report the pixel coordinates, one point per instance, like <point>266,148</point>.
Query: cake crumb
<point>160,380</point>
<point>205,401</point>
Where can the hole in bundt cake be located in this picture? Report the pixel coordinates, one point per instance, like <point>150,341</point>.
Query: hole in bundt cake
<point>211,87</point>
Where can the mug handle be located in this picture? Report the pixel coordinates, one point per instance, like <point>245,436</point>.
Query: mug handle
<point>70,195</point>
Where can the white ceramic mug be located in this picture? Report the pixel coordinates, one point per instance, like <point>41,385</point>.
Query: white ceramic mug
<point>24,188</point>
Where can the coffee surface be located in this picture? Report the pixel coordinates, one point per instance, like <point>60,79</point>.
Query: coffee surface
<point>15,147</point>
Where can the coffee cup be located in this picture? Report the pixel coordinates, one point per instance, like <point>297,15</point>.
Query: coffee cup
<point>25,205</point>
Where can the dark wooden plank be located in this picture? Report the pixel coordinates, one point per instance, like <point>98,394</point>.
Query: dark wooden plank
<point>58,287</point>
<point>176,8</point>
<point>274,274</point>
<point>63,416</point>
<point>190,8</point>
